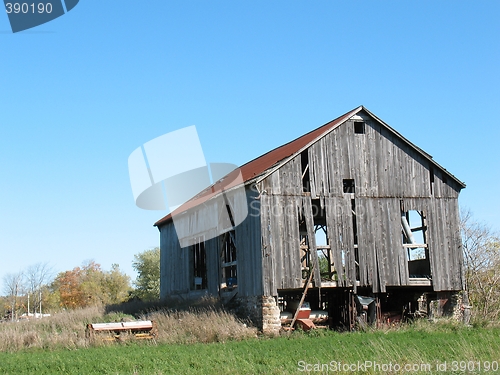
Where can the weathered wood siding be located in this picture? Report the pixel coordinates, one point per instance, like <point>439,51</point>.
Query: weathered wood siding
<point>380,241</point>
<point>386,171</point>
<point>340,234</point>
<point>445,241</point>
<point>175,264</point>
<point>280,243</point>
<point>174,273</point>
<point>248,249</point>
<point>381,164</point>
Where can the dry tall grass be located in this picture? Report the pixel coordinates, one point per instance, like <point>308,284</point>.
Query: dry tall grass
<point>67,329</point>
<point>207,325</point>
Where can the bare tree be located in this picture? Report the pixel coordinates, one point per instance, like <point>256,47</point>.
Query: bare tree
<point>481,247</point>
<point>13,287</point>
<point>36,276</point>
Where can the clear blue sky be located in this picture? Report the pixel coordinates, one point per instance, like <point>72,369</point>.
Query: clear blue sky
<point>79,94</point>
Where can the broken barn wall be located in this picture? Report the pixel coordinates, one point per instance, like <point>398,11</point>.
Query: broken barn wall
<point>386,171</point>
<point>382,256</point>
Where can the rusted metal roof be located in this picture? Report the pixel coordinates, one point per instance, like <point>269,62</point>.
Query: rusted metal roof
<point>260,165</point>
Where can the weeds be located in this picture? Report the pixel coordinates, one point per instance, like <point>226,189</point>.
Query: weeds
<point>205,323</point>
<point>204,338</point>
<point>62,330</point>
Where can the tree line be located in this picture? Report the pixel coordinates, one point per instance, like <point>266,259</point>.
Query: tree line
<point>38,289</point>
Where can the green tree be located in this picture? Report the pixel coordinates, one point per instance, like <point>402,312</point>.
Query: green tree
<point>116,285</point>
<point>147,283</point>
<point>4,307</point>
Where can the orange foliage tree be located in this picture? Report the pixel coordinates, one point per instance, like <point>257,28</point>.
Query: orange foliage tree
<point>90,285</point>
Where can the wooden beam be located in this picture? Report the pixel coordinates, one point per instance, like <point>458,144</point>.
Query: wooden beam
<point>322,247</point>
<point>414,245</point>
<point>305,170</point>
<point>229,264</point>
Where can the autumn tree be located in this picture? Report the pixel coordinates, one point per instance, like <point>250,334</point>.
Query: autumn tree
<point>68,285</point>
<point>90,285</point>
<point>147,283</point>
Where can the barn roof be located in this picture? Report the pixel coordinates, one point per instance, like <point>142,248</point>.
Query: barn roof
<point>260,167</point>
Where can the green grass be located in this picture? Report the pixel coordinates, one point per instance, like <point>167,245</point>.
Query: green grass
<point>420,343</point>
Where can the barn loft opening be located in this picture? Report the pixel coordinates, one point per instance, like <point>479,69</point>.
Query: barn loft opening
<point>359,127</point>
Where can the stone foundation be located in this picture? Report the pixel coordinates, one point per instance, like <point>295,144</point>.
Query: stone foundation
<point>271,322</point>
<point>262,311</point>
<point>450,305</point>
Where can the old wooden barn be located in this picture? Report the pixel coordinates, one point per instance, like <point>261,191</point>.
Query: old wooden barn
<point>351,218</point>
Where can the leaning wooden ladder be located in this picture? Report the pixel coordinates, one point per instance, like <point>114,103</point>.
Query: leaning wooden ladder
<point>304,293</point>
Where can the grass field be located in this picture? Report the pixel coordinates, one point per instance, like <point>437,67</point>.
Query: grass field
<point>423,346</point>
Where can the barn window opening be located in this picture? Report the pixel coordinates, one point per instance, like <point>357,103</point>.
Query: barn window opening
<point>323,250</point>
<point>229,263</point>
<point>304,162</point>
<point>348,186</point>
<point>359,127</point>
<point>305,259</point>
<point>414,235</point>
<point>431,179</point>
<point>198,261</point>
<point>321,240</point>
